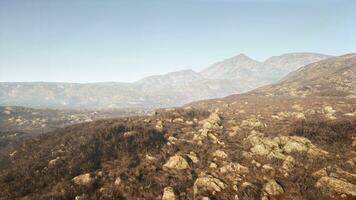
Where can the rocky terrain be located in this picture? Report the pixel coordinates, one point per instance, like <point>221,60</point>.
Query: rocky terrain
<point>231,76</point>
<point>19,123</point>
<point>259,145</point>
<point>25,119</point>
<point>330,77</point>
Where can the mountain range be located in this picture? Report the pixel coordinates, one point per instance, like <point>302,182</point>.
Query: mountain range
<point>234,75</point>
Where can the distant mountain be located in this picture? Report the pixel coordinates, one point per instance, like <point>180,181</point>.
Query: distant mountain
<point>289,62</point>
<point>234,75</point>
<point>331,77</point>
<point>255,73</point>
<point>236,67</point>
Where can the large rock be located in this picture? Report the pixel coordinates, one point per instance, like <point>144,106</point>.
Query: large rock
<point>84,179</point>
<point>333,185</point>
<point>273,188</point>
<point>208,184</point>
<point>168,194</point>
<point>176,162</point>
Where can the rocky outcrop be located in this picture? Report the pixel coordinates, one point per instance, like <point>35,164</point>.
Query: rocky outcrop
<point>279,147</point>
<point>208,184</point>
<point>333,185</point>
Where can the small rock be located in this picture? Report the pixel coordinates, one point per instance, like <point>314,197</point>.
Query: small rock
<point>257,164</point>
<point>297,107</point>
<point>117,181</point>
<point>84,179</point>
<point>320,173</point>
<point>213,165</point>
<point>220,154</point>
<point>159,125</point>
<point>81,197</point>
<point>53,162</point>
<point>288,163</point>
<point>178,120</point>
<point>193,157</point>
<point>168,194</point>
<point>273,188</point>
<point>149,157</point>
<point>172,139</point>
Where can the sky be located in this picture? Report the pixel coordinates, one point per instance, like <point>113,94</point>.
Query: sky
<point>125,40</point>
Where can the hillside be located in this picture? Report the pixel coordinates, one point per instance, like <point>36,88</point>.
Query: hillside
<point>331,77</point>
<point>247,146</point>
<point>253,73</point>
<point>235,75</point>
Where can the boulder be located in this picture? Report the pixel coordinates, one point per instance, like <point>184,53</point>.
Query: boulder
<point>176,162</point>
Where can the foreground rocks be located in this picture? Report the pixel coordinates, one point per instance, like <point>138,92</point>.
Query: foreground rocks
<point>336,186</point>
<point>193,154</point>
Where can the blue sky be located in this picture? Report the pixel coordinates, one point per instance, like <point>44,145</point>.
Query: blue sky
<point>125,40</point>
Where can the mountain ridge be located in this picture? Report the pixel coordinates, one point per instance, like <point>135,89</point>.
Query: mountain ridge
<point>230,76</point>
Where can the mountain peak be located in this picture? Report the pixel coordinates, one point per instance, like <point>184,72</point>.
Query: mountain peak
<point>241,56</point>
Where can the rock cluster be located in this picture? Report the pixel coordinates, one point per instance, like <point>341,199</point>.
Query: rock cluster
<point>278,147</point>
<point>208,184</point>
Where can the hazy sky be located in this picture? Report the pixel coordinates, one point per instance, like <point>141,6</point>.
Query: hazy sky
<point>125,40</point>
